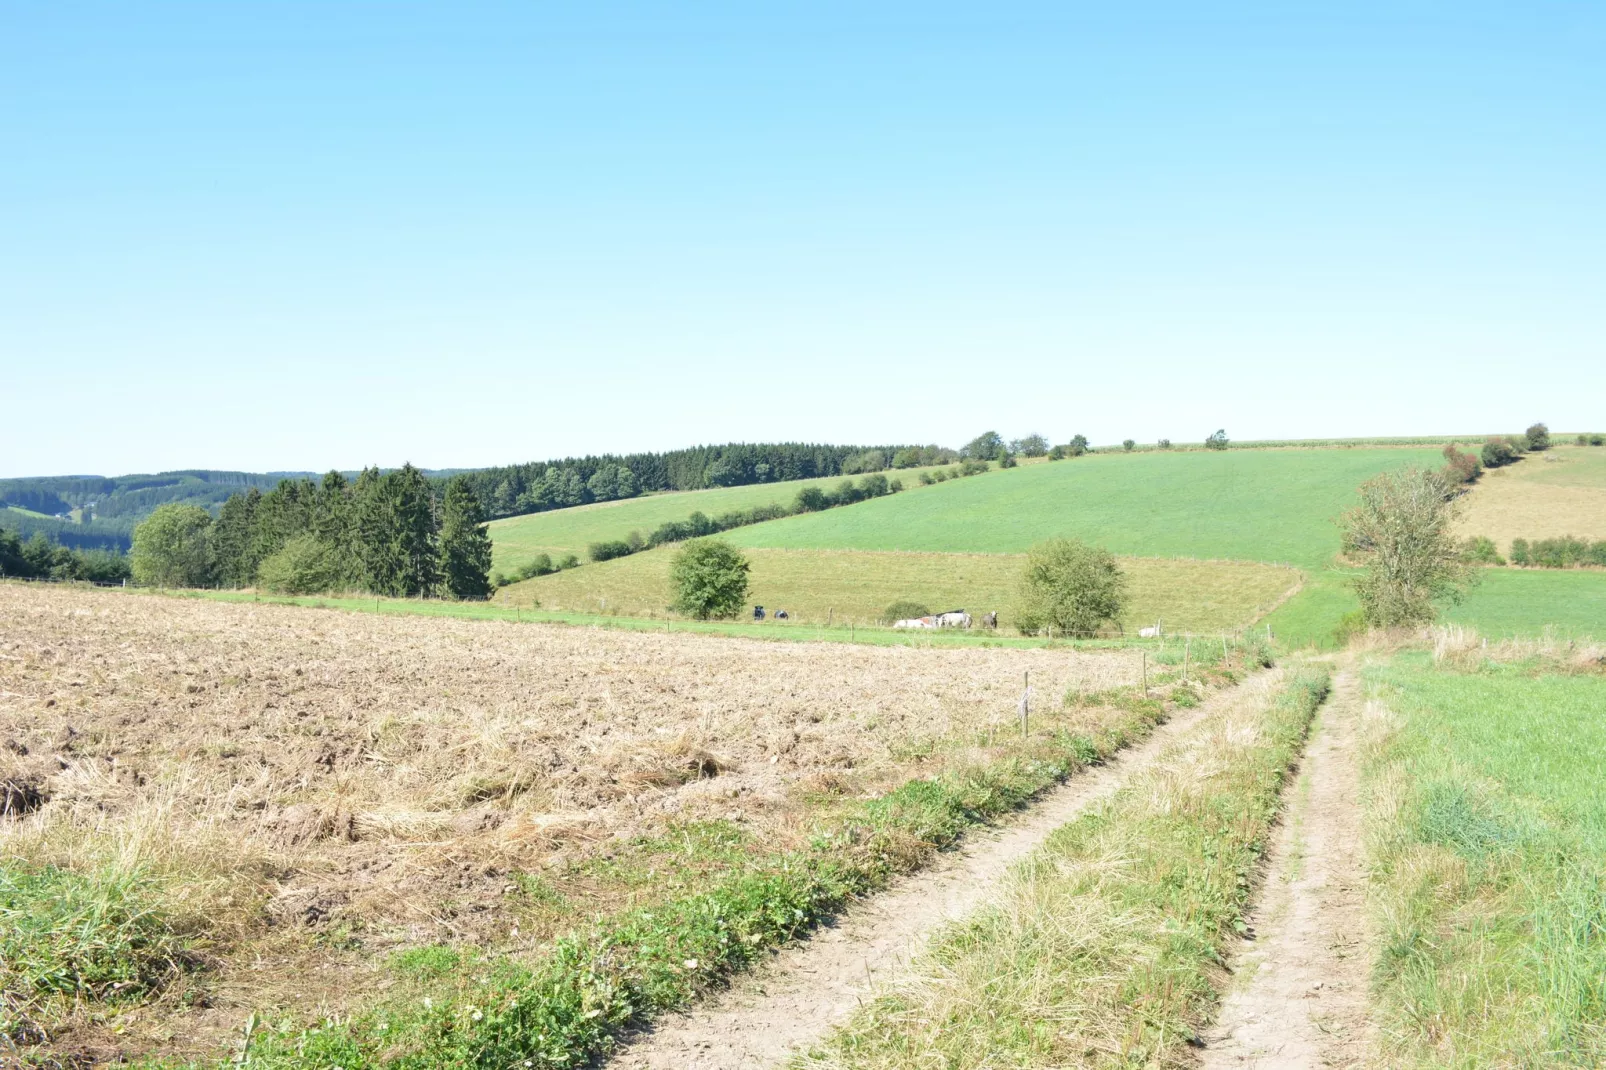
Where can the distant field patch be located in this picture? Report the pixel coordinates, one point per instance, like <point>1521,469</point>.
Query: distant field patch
<point>516,540</point>
<point>1560,492</point>
<point>812,585</point>
<point>1251,505</point>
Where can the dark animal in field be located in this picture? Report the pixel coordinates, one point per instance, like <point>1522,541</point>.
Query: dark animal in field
<point>781,614</point>
<point>758,612</point>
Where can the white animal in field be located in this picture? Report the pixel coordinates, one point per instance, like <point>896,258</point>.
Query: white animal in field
<point>954,618</point>
<point>1152,632</point>
<point>916,622</point>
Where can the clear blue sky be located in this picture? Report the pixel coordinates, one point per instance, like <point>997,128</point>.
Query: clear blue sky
<point>297,235</point>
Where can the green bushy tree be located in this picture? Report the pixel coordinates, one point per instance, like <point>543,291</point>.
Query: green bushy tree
<point>1401,528</point>
<point>709,578</point>
<point>986,446</point>
<point>171,547</point>
<point>303,565</point>
<point>1070,588</point>
<point>1217,441</point>
<point>1538,437</point>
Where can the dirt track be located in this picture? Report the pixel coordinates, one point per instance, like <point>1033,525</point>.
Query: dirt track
<point>806,990</point>
<point>1300,1000</point>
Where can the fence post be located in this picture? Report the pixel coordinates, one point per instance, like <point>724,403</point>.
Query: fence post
<point>1145,655</point>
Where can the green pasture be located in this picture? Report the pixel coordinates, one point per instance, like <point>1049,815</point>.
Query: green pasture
<point>815,586</point>
<point>1247,505</point>
<point>518,539</point>
<point>1504,602</point>
<point>1488,849</point>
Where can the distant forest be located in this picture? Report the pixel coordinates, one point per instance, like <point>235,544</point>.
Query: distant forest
<point>108,508</point>
<point>513,490</point>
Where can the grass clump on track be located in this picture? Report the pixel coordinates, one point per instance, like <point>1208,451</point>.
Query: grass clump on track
<point>1487,840</point>
<point>624,970</point>
<point>1103,948</point>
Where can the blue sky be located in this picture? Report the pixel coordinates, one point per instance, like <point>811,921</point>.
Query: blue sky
<point>282,236</point>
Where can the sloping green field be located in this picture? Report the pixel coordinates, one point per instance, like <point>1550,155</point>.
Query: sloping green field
<point>517,539</point>
<point>1247,505</point>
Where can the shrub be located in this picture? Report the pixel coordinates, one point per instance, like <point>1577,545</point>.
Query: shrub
<point>1007,461</point>
<point>868,461</point>
<point>303,565</point>
<point>940,475</point>
<point>499,579</point>
<point>608,550</point>
<point>1165,443</point>
<point>895,486</point>
<point>1350,626</point>
<point>1460,468</point>
<point>539,565</point>
<point>1497,453</point>
<point>1481,550</point>
<point>926,479</point>
<point>844,494</point>
<point>709,578</point>
<point>875,486</point>
<point>1057,453</point>
<point>904,610</point>
<point>566,561</point>
<point>1597,440</point>
<point>1217,441</point>
<point>1070,588</point>
<point>1128,444</point>
<point>812,500</point>
<point>1583,440</point>
<point>1401,526</point>
<point>1537,437</point>
<point>1519,552</point>
<point>972,468</point>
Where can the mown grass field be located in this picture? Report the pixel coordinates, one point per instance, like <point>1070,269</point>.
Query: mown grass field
<point>1488,845</point>
<point>516,540</point>
<point>815,586</point>
<point>1558,492</point>
<point>1247,505</point>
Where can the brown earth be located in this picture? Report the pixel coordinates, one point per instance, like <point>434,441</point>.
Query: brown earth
<point>317,787</point>
<point>1300,996</point>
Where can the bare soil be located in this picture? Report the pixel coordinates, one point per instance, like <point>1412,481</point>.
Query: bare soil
<point>1300,1000</point>
<point>321,787</point>
<point>782,1009</point>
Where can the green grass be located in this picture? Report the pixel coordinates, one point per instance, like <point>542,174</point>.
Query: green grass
<point>841,585</point>
<point>1248,505</point>
<point>465,1009</point>
<point>72,939</point>
<point>1104,947</point>
<point>517,540</point>
<point>1488,847</point>
<point>1503,603</point>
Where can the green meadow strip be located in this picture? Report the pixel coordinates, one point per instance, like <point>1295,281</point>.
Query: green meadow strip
<point>1486,836</point>
<point>1105,947</point>
<point>623,971</point>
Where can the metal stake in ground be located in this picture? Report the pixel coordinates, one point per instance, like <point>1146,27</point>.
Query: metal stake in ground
<point>1145,656</point>
<point>1025,702</point>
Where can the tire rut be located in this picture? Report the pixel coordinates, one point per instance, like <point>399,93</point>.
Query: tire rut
<point>1300,1000</point>
<point>781,1008</point>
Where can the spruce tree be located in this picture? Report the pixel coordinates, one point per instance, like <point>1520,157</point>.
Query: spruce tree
<point>465,543</point>
<point>230,543</point>
<point>414,534</point>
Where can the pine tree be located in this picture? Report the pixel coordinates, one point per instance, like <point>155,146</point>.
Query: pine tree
<point>232,535</point>
<point>415,529</point>
<point>465,543</point>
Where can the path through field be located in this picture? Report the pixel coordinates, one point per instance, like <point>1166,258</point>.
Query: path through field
<point>796,999</point>
<point>1301,997</point>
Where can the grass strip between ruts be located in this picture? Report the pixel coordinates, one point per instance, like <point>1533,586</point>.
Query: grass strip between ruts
<point>1105,947</point>
<point>623,971</point>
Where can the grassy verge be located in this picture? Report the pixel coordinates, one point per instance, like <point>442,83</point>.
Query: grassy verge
<point>1487,838</point>
<point>468,1009</point>
<point>1103,949</point>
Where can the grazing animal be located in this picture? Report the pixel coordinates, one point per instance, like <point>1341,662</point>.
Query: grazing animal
<point>758,612</point>
<point>990,620</point>
<point>781,614</point>
<point>1151,632</point>
<point>916,622</point>
<point>954,618</point>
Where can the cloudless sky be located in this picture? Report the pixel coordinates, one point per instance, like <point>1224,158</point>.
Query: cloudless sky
<point>274,236</point>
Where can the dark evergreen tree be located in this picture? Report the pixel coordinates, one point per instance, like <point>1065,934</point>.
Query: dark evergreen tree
<point>232,537</point>
<point>465,543</point>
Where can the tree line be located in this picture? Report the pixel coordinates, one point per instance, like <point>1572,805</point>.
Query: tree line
<point>513,490</point>
<point>392,533</point>
<point>40,558</point>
